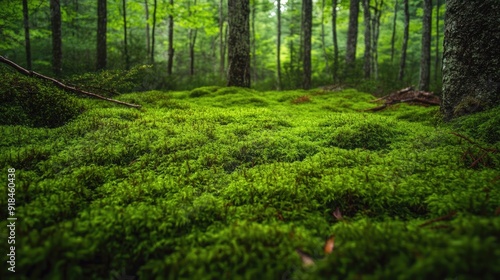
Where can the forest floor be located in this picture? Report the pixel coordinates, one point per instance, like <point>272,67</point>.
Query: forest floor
<point>227,183</point>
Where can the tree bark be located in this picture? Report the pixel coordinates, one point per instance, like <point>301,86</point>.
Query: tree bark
<point>55,18</point>
<point>425,54</point>
<point>335,41</point>
<point>368,39</point>
<point>278,44</point>
<point>125,40</point>
<point>253,67</point>
<point>375,33</point>
<point>152,59</point>
<point>323,45</point>
<point>27,42</point>
<point>393,36</point>
<point>221,37</point>
<point>471,60</point>
<point>239,43</point>
<point>101,34</point>
<point>436,58</point>
<point>306,35</point>
<point>352,36</point>
<point>402,63</point>
<point>170,61</point>
<point>148,37</point>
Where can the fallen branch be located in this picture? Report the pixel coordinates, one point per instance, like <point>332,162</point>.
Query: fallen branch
<point>406,95</point>
<point>448,216</point>
<point>61,85</point>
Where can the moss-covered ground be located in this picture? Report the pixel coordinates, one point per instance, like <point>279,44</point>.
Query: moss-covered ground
<point>228,183</point>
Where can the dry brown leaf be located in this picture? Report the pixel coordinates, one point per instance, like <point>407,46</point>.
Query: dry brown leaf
<point>329,245</point>
<point>307,261</point>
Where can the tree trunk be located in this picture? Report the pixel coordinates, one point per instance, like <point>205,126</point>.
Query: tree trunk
<point>436,59</point>
<point>170,61</point>
<point>152,59</point>
<point>375,32</point>
<point>393,37</point>
<point>192,42</point>
<point>221,37</point>
<point>27,42</point>
<point>253,68</point>
<point>148,37</point>
<point>306,35</point>
<point>323,45</point>
<point>352,36</point>
<point>335,41</point>
<point>368,39</point>
<point>402,64</point>
<point>125,40</point>
<point>278,44</point>
<point>239,43</point>
<point>55,18</point>
<point>425,54</point>
<point>471,76</point>
<point>101,34</point>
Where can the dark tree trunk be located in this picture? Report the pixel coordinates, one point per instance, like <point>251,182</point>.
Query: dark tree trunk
<point>425,54</point>
<point>402,64</point>
<point>152,59</point>
<point>221,37</point>
<point>436,58</point>
<point>55,18</point>
<point>101,34</point>
<point>170,61</point>
<point>239,43</point>
<point>368,39</point>
<point>471,60</point>
<point>27,42</point>
<point>335,41</point>
<point>352,36</point>
<point>393,37</point>
<point>125,40</point>
<point>278,44</point>
<point>306,35</point>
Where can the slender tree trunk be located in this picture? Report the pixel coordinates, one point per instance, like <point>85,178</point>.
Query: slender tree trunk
<point>125,39</point>
<point>375,34</point>
<point>148,38</point>
<point>278,44</point>
<point>253,11</point>
<point>55,18</point>
<point>152,59</point>
<point>335,41</point>
<point>291,41</point>
<point>425,59</point>
<point>436,62</point>
<point>101,34</point>
<point>402,64</point>
<point>27,42</point>
<point>170,61</point>
<point>393,37</point>
<point>352,37</point>
<point>368,39</point>
<point>306,31</point>
<point>471,76</point>
<point>192,42</point>
<point>239,43</point>
<point>221,37</point>
<point>323,45</point>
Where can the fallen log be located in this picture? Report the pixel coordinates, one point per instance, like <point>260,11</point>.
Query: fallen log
<point>407,95</point>
<point>60,84</point>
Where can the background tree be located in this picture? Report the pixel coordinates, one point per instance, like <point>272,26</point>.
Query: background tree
<point>170,61</point>
<point>27,42</point>
<point>101,34</point>
<point>239,43</point>
<point>55,19</point>
<point>125,39</point>
<point>406,33</point>
<point>471,76</point>
<point>153,35</point>
<point>393,36</point>
<point>368,39</point>
<point>425,54</point>
<point>352,36</point>
<point>278,44</point>
<point>306,35</point>
<point>335,41</point>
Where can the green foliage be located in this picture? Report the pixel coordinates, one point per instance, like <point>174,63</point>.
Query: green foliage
<point>27,101</point>
<point>226,183</point>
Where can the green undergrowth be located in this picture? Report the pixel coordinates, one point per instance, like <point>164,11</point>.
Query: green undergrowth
<point>227,183</point>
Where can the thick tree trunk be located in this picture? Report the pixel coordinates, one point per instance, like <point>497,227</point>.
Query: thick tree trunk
<point>368,39</point>
<point>27,42</point>
<point>55,18</point>
<point>425,54</point>
<point>101,34</point>
<point>170,61</point>
<point>393,36</point>
<point>352,36</point>
<point>125,40</point>
<point>306,35</point>
<point>239,43</point>
<point>335,41</point>
<point>402,63</point>
<point>471,60</point>
<point>278,44</point>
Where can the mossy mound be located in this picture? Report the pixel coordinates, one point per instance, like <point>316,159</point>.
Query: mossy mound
<point>30,102</point>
